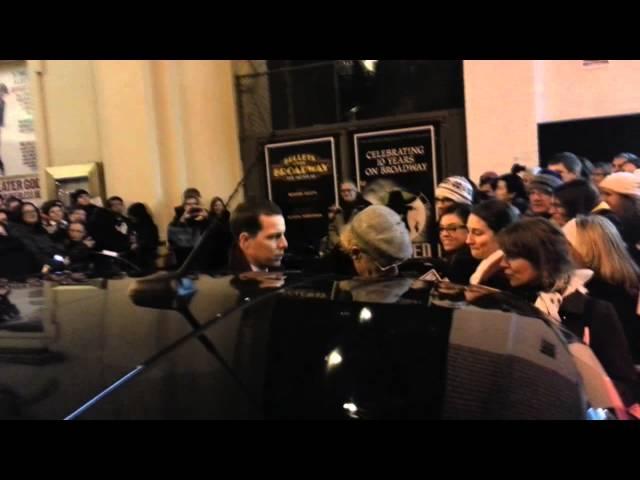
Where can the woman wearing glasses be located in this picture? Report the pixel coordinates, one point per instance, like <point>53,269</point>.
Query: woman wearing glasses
<point>457,262</point>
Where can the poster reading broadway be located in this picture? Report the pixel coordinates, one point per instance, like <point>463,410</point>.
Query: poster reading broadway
<point>17,136</point>
<point>397,168</point>
<point>301,179</point>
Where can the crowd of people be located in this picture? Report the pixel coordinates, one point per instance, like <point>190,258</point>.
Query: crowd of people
<point>564,238</point>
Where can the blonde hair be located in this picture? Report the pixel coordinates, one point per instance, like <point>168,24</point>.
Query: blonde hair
<point>603,251</point>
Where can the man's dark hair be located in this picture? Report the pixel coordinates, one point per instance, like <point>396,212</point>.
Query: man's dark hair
<point>246,217</point>
<point>627,156</point>
<point>74,195</point>
<point>570,161</point>
<point>191,192</point>
<point>635,161</point>
<point>603,166</point>
<point>48,205</point>
<point>492,181</point>
<point>514,184</point>
<point>114,199</point>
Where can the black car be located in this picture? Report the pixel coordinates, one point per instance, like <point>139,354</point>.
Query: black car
<point>283,346</point>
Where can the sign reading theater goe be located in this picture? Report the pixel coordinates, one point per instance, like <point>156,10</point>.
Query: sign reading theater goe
<point>26,187</point>
<point>301,180</point>
<point>397,168</point>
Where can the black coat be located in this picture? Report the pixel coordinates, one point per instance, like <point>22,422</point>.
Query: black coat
<point>625,305</point>
<point>608,340</point>
<point>79,255</point>
<point>459,266</point>
<point>37,241</point>
<point>16,262</point>
<point>218,243</point>
<point>110,230</point>
<point>147,241</point>
<point>183,237</point>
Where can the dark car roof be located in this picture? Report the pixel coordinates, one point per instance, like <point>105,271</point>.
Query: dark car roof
<point>282,346</point>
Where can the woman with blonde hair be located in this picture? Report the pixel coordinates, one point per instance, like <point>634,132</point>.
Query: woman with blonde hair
<point>597,245</point>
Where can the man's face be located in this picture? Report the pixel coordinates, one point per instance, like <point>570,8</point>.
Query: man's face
<point>56,214</point>
<point>117,206</point>
<point>348,192</point>
<point>267,248</point>
<point>488,191</point>
<point>78,215</point>
<point>617,164</point>
<point>540,201</point>
<point>84,200</point>
<point>561,170</point>
<point>3,218</point>
<point>190,203</point>
<point>77,232</point>
<point>598,175</point>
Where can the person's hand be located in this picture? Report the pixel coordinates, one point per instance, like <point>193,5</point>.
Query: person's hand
<point>51,228</point>
<point>3,232</point>
<point>333,210</point>
<point>89,242</point>
<point>186,215</point>
<point>202,216</point>
<point>67,261</point>
<point>45,269</point>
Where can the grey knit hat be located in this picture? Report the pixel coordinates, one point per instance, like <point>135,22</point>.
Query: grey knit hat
<point>547,183</point>
<point>382,234</point>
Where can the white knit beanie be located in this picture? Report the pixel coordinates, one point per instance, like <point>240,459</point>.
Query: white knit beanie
<point>457,189</point>
<point>623,183</point>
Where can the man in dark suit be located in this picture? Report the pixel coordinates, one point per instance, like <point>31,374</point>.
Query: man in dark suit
<point>258,230</point>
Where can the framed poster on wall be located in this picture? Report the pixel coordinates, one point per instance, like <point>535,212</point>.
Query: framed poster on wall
<point>17,135</point>
<point>397,168</point>
<point>301,180</point>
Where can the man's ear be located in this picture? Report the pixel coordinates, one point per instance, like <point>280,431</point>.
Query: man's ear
<point>243,239</point>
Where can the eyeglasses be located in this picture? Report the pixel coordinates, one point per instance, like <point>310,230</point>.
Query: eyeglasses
<point>451,229</point>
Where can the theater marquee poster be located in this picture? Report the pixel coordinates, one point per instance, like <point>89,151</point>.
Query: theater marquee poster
<point>18,161</point>
<point>301,179</point>
<point>397,168</point>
